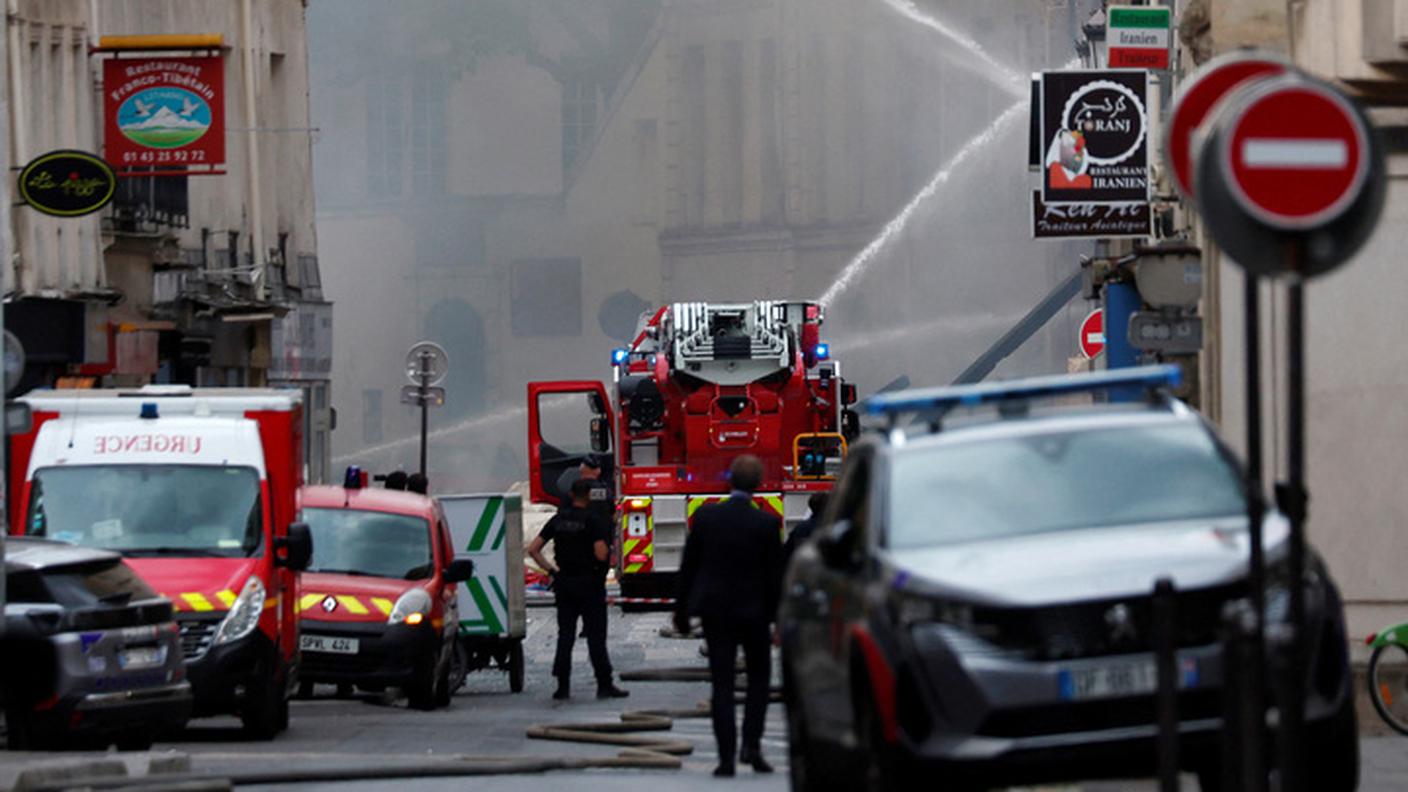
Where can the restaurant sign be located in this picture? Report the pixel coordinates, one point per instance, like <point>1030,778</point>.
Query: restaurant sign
<point>164,113</point>
<point>67,183</point>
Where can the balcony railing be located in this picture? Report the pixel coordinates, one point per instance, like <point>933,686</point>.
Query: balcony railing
<point>149,205</point>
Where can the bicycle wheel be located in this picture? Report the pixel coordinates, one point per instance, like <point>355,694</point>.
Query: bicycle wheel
<point>1388,685</point>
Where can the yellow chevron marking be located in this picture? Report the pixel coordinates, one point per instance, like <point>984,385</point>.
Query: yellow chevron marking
<point>776,503</point>
<point>226,597</point>
<point>309,600</point>
<point>383,605</point>
<point>352,604</point>
<point>198,601</point>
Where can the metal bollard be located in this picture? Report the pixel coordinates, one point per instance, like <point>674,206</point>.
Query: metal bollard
<point>1165,617</point>
<point>1243,700</point>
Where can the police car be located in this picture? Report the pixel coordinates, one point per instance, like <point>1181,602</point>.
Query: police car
<point>378,602</point>
<point>976,602</point>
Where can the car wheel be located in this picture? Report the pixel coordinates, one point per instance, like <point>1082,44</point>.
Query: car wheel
<point>1335,765</point>
<point>139,740</point>
<point>420,693</point>
<point>21,732</point>
<point>261,716</point>
<point>443,691</point>
<point>882,772</point>
<point>515,667</point>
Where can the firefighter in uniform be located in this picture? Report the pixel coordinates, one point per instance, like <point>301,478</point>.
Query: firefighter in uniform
<point>580,540</point>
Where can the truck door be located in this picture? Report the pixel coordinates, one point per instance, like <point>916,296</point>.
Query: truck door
<point>566,421</point>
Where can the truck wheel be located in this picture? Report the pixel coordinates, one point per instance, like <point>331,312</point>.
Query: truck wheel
<point>265,711</point>
<point>420,693</point>
<point>515,667</point>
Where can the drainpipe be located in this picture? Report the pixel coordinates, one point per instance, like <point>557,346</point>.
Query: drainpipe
<point>19,125</point>
<point>256,211</point>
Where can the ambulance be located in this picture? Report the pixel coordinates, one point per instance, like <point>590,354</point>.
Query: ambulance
<point>379,603</point>
<point>197,488</point>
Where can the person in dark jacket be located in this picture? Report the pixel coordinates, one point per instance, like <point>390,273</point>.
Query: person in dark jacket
<point>580,539</point>
<point>730,578</point>
<point>804,529</point>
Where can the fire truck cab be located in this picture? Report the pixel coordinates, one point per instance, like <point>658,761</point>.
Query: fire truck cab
<point>700,384</point>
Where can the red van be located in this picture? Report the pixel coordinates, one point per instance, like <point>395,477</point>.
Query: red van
<point>378,607</point>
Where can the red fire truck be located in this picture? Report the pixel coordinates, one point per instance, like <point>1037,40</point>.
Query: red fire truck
<point>198,489</point>
<point>701,384</point>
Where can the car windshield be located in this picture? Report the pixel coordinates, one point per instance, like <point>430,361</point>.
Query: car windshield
<point>1061,480</point>
<point>369,543</point>
<point>150,509</point>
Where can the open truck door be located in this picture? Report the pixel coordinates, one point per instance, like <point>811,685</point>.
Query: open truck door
<point>566,422</point>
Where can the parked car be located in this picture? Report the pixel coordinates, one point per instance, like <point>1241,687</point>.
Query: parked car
<point>91,655</point>
<point>976,603</point>
<point>379,606</point>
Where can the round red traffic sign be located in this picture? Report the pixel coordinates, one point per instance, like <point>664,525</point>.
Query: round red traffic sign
<point>1092,333</point>
<point>1295,154</point>
<point>1196,99</point>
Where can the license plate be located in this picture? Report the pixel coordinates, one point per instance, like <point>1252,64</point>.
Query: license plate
<point>1117,680</point>
<point>142,657</point>
<point>323,643</point>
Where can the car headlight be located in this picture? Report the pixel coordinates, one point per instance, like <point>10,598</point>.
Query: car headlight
<point>411,608</point>
<point>914,609</point>
<point>244,615</point>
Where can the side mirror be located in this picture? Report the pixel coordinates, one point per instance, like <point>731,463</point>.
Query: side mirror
<point>837,544</point>
<point>601,435</point>
<point>297,548</point>
<point>459,570</point>
<point>19,419</point>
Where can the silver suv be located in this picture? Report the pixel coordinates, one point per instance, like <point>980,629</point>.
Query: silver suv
<point>976,604</point>
<point>90,655</point>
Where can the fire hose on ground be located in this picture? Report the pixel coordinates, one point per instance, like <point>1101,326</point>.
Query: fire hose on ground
<point>637,733</point>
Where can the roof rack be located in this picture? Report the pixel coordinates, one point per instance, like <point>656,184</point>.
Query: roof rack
<point>930,400</point>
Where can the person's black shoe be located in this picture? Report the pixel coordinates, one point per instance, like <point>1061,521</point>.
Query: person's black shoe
<point>724,770</point>
<point>609,691</point>
<point>563,692</point>
<point>756,761</point>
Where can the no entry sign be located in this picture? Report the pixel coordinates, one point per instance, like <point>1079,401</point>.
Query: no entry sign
<point>1289,175</point>
<point>1296,155</point>
<point>1195,101</point>
<point>1092,333</point>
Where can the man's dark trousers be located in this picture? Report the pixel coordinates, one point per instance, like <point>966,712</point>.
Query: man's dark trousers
<point>723,637</point>
<point>583,597</point>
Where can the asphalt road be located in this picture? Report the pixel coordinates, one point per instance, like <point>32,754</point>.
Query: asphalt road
<point>486,720</point>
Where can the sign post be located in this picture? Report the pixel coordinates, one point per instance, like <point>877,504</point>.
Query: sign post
<point>1137,37</point>
<point>426,366</point>
<point>1290,181</point>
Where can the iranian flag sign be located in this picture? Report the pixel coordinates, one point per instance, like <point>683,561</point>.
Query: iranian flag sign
<point>1138,37</point>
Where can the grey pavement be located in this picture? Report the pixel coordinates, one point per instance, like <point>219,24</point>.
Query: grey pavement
<point>486,720</point>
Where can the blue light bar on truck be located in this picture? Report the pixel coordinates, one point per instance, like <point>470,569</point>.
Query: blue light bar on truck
<point>923,399</point>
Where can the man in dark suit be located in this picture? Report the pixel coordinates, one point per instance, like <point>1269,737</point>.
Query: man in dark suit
<point>730,578</point>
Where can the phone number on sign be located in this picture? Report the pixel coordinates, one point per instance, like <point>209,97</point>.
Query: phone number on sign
<point>161,157</point>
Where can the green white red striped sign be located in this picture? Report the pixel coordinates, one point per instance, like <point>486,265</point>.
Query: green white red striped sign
<point>1137,37</point>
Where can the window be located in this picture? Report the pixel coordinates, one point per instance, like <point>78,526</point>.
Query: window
<point>385,137</point>
<point>1039,483</point>
<point>371,415</point>
<point>579,106</point>
<point>427,132</point>
<point>370,543</point>
<point>546,297</point>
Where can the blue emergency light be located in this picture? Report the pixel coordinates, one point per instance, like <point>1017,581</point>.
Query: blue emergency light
<point>823,351</point>
<point>619,355</point>
<point>353,478</point>
<point>925,399</point>
<point>148,410</point>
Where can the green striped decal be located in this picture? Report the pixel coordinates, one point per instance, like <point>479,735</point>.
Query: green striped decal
<point>486,521</point>
<point>489,622</point>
